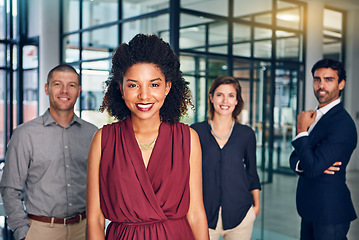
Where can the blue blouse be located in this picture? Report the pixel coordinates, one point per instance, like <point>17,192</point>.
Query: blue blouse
<point>229,174</point>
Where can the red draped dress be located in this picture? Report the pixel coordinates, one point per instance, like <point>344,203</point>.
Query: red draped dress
<point>145,203</point>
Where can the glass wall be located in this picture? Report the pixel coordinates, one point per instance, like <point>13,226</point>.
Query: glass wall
<point>263,35</point>
<point>4,46</point>
<point>18,71</point>
<point>18,79</point>
<point>30,82</point>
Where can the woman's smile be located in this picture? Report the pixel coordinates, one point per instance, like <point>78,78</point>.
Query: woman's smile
<point>144,107</point>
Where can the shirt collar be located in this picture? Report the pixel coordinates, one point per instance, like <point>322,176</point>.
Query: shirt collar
<point>48,120</point>
<point>329,106</point>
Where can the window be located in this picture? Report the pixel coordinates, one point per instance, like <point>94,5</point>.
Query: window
<point>333,34</point>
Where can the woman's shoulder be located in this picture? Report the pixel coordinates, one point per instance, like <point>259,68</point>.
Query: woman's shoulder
<point>199,125</point>
<point>111,128</point>
<point>112,125</point>
<point>243,128</point>
<point>178,127</point>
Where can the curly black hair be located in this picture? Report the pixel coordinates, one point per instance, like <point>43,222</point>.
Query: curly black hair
<point>147,49</point>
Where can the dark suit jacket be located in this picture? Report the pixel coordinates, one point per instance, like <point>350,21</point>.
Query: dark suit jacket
<point>324,198</point>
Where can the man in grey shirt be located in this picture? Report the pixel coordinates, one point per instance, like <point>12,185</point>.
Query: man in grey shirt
<point>46,164</point>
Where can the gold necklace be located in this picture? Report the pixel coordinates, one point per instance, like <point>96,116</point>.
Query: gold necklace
<point>144,146</point>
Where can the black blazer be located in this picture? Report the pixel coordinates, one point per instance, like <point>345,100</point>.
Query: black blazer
<point>324,198</point>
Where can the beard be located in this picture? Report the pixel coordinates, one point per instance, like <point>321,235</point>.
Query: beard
<point>319,96</point>
<point>328,97</point>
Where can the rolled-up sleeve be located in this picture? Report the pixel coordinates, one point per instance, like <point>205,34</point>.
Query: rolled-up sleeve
<point>251,163</point>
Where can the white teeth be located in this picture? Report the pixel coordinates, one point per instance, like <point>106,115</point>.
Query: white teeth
<point>225,107</point>
<point>64,99</point>
<point>144,105</point>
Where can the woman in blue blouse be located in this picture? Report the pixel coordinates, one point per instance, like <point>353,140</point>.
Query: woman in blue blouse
<point>230,181</point>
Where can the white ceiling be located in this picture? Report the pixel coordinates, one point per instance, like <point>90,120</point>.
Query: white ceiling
<point>339,4</point>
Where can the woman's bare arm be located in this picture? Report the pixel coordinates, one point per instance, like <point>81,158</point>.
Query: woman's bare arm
<point>256,201</point>
<point>95,217</point>
<point>196,214</point>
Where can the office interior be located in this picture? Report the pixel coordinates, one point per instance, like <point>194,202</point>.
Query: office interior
<point>268,45</point>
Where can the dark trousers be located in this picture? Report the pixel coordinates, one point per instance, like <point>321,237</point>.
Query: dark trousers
<point>315,231</point>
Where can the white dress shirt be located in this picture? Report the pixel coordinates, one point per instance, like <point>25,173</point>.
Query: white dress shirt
<point>320,114</point>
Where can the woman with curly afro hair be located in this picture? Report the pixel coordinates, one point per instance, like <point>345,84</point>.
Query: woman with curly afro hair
<point>144,171</point>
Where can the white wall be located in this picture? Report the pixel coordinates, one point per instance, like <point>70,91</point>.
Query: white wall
<point>352,84</point>
<point>44,16</point>
<point>49,44</point>
<point>314,51</point>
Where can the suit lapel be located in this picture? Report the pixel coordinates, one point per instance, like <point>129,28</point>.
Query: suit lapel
<point>324,122</point>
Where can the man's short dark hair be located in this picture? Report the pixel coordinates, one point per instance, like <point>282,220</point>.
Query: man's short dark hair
<point>333,64</point>
<point>62,68</point>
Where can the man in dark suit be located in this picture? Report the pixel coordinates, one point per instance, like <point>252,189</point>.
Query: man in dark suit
<point>326,139</point>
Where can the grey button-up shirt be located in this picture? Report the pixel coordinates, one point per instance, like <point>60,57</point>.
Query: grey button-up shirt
<point>46,166</point>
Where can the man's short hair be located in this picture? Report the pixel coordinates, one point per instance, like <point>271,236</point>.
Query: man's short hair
<point>62,68</point>
<point>333,64</point>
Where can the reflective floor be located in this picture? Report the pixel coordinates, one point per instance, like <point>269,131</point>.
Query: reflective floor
<point>279,220</point>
